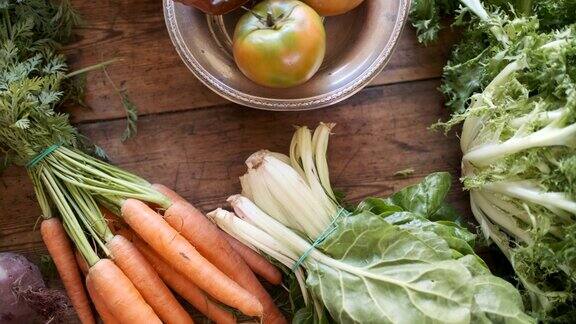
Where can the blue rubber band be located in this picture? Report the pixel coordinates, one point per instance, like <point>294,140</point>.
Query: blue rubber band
<point>321,238</point>
<point>42,155</point>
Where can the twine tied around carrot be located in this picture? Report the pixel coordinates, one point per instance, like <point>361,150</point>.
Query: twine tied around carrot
<point>47,151</point>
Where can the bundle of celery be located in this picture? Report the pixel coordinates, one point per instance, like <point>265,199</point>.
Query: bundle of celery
<point>403,259</point>
<point>517,100</point>
<point>71,188</point>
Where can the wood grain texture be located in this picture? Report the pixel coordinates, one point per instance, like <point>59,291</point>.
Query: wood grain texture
<point>200,153</point>
<point>158,81</point>
<point>196,142</point>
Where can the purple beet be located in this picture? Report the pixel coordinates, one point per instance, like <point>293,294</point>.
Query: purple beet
<point>24,297</point>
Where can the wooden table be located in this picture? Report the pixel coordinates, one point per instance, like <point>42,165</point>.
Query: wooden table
<point>196,142</point>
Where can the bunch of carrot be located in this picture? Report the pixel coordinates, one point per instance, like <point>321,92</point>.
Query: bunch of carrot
<point>149,254</point>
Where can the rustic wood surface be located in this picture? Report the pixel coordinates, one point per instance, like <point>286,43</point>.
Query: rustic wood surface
<point>196,142</point>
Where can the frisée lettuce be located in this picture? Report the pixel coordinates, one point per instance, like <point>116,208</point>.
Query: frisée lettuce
<point>519,144</point>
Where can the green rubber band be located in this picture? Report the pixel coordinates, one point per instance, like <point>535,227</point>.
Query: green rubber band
<point>42,155</point>
<point>321,238</point>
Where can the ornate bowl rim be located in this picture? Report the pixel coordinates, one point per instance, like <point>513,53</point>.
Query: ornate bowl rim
<point>307,103</point>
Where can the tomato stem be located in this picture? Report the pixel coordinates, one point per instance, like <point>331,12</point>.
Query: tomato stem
<point>270,19</point>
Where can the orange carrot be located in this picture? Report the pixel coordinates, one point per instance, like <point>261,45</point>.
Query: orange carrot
<point>181,255</point>
<point>211,243</point>
<point>147,281</point>
<point>60,249</point>
<point>99,304</point>
<point>119,294</point>
<point>255,261</point>
<point>184,287</point>
<point>180,284</point>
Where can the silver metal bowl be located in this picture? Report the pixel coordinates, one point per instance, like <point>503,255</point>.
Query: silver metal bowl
<point>359,44</point>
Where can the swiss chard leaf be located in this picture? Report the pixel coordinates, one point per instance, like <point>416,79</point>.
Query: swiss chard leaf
<point>457,238</point>
<point>378,206</point>
<point>507,308</point>
<point>402,277</point>
<point>424,198</point>
<point>447,213</point>
<point>381,273</point>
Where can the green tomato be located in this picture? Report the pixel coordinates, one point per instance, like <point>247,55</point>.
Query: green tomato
<point>280,43</point>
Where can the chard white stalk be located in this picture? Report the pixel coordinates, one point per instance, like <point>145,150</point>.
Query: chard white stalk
<point>259,241</point>
<point>281,195</point>
<point>308,158</point>
<point>320,144</point>
<point>247,232</point>
<point>247,210</point>
<point>254,188</point>
<point>295,191</point>
<point>282,157</point>
<point>290,194</point>
<point>244,208</point>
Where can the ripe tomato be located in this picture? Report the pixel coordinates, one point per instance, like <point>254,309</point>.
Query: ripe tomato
<point>279,43</point>
<point>333,7</point>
